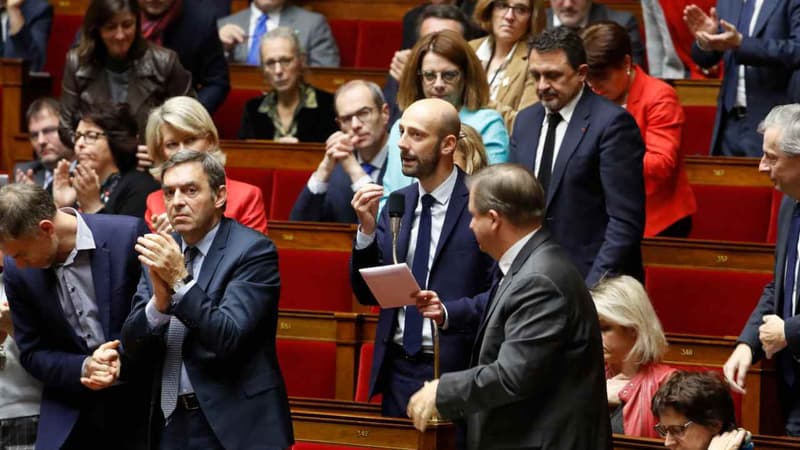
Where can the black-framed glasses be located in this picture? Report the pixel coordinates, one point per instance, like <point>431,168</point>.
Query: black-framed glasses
<point>363,115</point>
<point>676,431</point>
<point>89,137</point>
<point>44,132</point>
<point>283,62</point>
<point>517,10</point>
<point>448,76</point>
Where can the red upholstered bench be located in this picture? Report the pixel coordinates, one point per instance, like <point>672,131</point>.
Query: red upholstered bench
<point>377,42</point>
<point>345,33</point>
<point>228,117</point>
<point>308,367</point>
<point>704,301</point>
<point>62,35</point>
<point>697,130</point>
<point>732,213</point>
<point>261,178</point>
<point>315,280</point>
<point>286,186</point>
<point>364,372</point>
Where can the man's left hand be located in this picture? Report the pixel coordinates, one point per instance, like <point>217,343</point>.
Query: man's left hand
<point>729,38</point>
<point>771,334</point>
<point>163,255</point>
<point>422,406</point>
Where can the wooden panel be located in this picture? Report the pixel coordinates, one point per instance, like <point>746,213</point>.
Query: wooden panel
<point>728,171</point>
<point>697,92</point>
<point>325,78</point>
<point>273,155</point>
<point>708,254</point>
<point>312,235</point>
<point>335,406</point>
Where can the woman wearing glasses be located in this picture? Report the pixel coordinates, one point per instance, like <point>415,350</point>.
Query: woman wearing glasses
<point>105,179</point>
<point>695,412</point>
<point>442,65</point>
<point>504,52</point>
<point>113,63</point>
<point>633,346</point>
<point>293,111</point>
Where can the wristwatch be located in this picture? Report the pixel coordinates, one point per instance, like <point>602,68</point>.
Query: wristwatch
<point>180,284</point>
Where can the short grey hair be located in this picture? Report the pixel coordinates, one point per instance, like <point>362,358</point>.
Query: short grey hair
<point>374,90</point>
<point>284,33</point>
<point>211,166</point>
<point>509,189</point>
<point>787,119</point>
<point>22,207</point>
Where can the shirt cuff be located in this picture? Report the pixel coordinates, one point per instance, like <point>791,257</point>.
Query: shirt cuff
<point>361,182</point>
<point>445,323</point>
<point>364,240</point>
<point>155,318</point>
<point>316,186</point>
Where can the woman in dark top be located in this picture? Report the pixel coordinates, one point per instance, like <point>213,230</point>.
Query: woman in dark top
<point>292,111</point>
<point>113,63</point>
<point>105,179</point>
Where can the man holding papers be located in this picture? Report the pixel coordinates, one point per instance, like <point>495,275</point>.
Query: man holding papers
<point>437,244</point>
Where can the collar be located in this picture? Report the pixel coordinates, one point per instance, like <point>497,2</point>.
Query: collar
<point>308,100</point>
<point>486,49</point>
<point>511,254</point>
<point>379,159</point>
<point>584,22</point>
<point>84,239</point>
<point>256,13</point>
<point>205,244</point>
<point>569,108</point>
<point>444,191</point>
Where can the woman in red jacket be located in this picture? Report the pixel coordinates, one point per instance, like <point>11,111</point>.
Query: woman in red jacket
<point>655,106</point>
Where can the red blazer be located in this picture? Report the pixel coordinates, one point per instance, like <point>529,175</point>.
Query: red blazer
<point>245,205</point>
<point>637,396</point>
<point>655,106</point>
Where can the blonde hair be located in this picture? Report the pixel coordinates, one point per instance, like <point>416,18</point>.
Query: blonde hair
<point>470,150</point>
<point>622,300</point>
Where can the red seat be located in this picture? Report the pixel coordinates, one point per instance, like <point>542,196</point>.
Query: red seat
<point>704,301</point>
<point>261,178</point>
<point>772,231</point>
<point>286,186</point>
<point>731,213</point>
<point>364,371</point>
<point>228,118</point>
<point>315,280</point>
<point>377,42</point>
<point>697,129</point>
<point>345,33</point>
<point>308,367</point>
<point>62,35</point>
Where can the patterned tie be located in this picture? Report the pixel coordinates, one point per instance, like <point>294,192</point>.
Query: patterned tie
<point>743,26</point>
<point>546,164</point>
<point>412,334</point>
<point>254,56</point>
<point>171,372</point>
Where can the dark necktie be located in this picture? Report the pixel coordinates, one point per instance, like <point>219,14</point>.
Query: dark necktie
<point>788,288</point>
<point>412,334</point>
<point>369,168</point>
<point>743,26</point>
<point>546,163</point>
<point>254,55</point>
<point>171,371</point>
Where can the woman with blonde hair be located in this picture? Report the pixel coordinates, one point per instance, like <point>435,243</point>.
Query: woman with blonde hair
<point>180,123</point>
<point>470,154</point>
<point>633,348</point>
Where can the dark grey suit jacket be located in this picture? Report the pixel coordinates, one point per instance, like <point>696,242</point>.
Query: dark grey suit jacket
<point>537,378</point>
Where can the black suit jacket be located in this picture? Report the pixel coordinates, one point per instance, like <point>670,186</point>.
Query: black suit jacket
<point>129,196</point>
<point>595,204</point>
<point>537,378</point>
<point>313,125</point>
<point>30,43</point>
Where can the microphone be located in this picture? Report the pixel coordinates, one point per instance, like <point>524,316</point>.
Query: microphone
<point>396,205</point>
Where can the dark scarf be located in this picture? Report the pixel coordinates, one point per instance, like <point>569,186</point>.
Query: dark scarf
<point>153,28</point>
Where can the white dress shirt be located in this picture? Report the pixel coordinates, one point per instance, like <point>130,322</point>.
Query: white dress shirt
<point>561,130</point>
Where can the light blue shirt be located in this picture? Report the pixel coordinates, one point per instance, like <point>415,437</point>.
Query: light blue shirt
<point>487,122</point>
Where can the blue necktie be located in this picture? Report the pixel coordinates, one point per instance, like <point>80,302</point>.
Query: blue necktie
<point>369,168</point>
<point>743,26</point>
<point>412,334</point>
<point>254,57</point>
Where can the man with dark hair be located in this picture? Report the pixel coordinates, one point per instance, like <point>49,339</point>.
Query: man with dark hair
<point>353,157</point>
<point>536,371</point>
<point>205,316</point>
<point>69,279</point>
<point>435,240</point>
<point>587,153</point>
<point>42,116</point>
<point>26,28</point>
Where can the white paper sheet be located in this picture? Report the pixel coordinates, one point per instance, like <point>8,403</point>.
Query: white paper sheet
<point>391,285</point>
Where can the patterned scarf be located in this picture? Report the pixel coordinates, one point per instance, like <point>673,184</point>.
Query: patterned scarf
<point>153,28</point>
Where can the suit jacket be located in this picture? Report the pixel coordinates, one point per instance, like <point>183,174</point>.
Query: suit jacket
<point>537,378</point>
<point>313,124</point>
<point>245,205</point>
<point>231,315</point>
<point>518,91</point>
<point>312,30</point>
<point>595,203</point>
<point>599,12</point>
<point>130,194</point>
<point>658,113</point>
<point>52,352</point>
<point>331,206</point>
<point>771,53</point>
<point>193,36</point>
<point>30,43</point>
<point>459,270</point>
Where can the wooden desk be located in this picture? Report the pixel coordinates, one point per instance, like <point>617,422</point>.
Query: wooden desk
<point>273,155</point>
<point>728,171</point>
<point>697,92</point>
<point>325,78</point>
<point>708,254</point>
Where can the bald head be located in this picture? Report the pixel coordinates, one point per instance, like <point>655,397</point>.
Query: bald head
<point>440,114</point>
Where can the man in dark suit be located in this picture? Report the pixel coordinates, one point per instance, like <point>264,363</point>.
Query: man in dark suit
<point>353,157</point>
<point>42,117</point>
<point>757,42</point>
<point>206,314</point>
<point>537,374</point>
<point>27,30</point>
<point>773,329</point>
<point>580,13</point>
<point>69,280</point>
<point>189,27</point>
<point>435,239</point>
<point>587,153</point>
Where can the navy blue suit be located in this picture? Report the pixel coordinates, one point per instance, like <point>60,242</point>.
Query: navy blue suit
<point>52,351</point>
<point>231,315</point>
<point>30,43</point>
<point>771,53</point>
<point>331,206</point>
<point>459,270</point>
<point>595,203</point>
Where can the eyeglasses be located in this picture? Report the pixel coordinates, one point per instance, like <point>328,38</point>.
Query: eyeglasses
<point>518,10</point>
<point>44,132</point>
<point>677,431</point>
<point>90,137</point>
<point>283,62</point>
<point>448,76</point>
<point>363,115</point>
